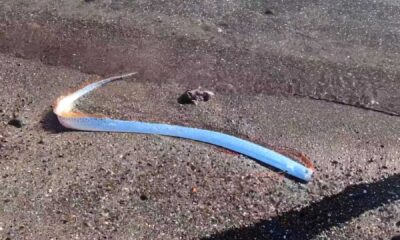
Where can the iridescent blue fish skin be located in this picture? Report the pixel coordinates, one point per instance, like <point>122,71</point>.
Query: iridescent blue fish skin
<point>255,151</point>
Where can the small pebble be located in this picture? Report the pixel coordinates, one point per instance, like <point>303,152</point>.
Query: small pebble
<point>143,197</point>
<point>16,122</point>
<point>195,96</point>
<point>268,12</point>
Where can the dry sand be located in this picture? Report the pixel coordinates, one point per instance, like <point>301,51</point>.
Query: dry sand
<point>60,184</point>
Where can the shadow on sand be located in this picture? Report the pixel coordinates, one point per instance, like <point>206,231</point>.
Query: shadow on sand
<point>331,211</point>
<point>51,124</point>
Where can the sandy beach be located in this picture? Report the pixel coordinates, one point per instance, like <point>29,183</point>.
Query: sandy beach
<point>316,77</point>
